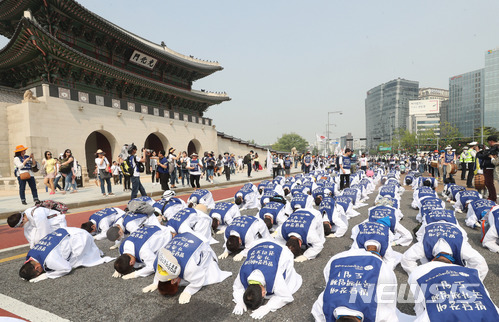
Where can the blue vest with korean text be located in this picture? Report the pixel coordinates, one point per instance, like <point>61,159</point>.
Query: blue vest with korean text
<point>240,225</point>
<point>178,219</point>
<point>308,185</point>
<point>299,199</point>
<point>103,213</point>
<point>455,293</point>
<point>380,212</point>
<point>343,201</point>
<point>128,217</point>
<point>298,222</point>
<point>182,246</point>
<point>353,276</point>
<point>346,162</point>
<point>298,189</point>
<point>480,205</point>
<point>271,208</point>
<point>429,204</point>
<point>270,187</point>
<point>164,204</point>
<point>454,189</point>
<point>267,195</point>
<point>307,159</point>
<point>199,194</point>
<point>425,192</point>
<point>448,232</point>
<point>243,192</point>
<point>138,238</point>
<point>263,184</point>
<point>195,165</point>
<point>318,192</point>
<point>388,191</point>
<point>265,258</point>
<point>247,186</point>
<point>441,215</point>
<point>373,231</point>
<point>327,206</point>
<point>495,213</point>
<point>46,245</point>
<point>27,166</point>
<point>352,193</point>
<point>221,208</point>
<point>468,195</point>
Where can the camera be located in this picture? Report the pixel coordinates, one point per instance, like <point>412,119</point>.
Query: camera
<point>494,150</point>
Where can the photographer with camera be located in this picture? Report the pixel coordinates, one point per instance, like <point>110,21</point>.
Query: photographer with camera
<point>489,161</point>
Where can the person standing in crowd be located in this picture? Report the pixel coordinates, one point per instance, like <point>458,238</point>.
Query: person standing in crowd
<point>219,166</point>
<point>486,157</point>
<point>307,161</point>
<point>24,172</point>
<point>58,174</point>
<point>240,164</point>
<point>363,162</point>
<point>275,165</point>
<point>345,164</point>
<point>184,159</point>
<point>287,166</point>
<point>172,166</point>
<point>448,158</point>
<point>49,164</point>
<point>126,175</point>
<point>104,175</point>
<point>210,167</point>
<point>232,163</point>
<point>138,167</point>
<point>67,170</point>
<point>195,169</point>
<point>256,162</point>
<point>115,171</point>
<point>153,166</point>
<point>226,163</point>
<point>162,169</point>
<point>247,161</point>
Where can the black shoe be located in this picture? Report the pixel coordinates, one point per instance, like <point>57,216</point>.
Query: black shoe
<point>36,200</point>
<point>24,202</point>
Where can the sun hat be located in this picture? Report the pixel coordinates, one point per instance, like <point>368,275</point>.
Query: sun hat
<point>20,148</point>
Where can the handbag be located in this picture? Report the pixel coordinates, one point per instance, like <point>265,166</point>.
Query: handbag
<point>104,174</point>
<point>25,176</point>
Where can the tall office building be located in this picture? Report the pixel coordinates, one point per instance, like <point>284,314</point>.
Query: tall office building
<point>491,97</point>
<point>432,93</point>
<point>466,93</point>
<point>387,109</point>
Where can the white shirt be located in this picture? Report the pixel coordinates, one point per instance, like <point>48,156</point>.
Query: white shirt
<point>148,251</point>
<point>39,226</point>
<point>198,223</point>
<point>386,289</point>
<point>101,163</point>
<point>284,288</point>
<point>206,199</point>
<point>173,209</point>
<point>81,250</point>
<point>315,237</point>
<point>251,200</point>
<point>490,238</point>
<point>232,212</point>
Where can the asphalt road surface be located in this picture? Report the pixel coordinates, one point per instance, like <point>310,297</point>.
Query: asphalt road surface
<point>91,294</point>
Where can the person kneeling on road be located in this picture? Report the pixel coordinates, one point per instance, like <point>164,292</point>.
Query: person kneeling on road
<point>186,259</point>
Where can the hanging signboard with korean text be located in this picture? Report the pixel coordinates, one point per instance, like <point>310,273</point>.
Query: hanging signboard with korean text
<point>143,60</point>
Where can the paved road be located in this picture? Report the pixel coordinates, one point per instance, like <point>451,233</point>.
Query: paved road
<point>92,294</point>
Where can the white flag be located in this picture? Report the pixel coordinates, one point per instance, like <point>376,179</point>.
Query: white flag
<point>269,162</point>
<point>320,138</point>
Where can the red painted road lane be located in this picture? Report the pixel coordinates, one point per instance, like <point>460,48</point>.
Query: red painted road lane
<point>10,237</point>
<point>4,313</point>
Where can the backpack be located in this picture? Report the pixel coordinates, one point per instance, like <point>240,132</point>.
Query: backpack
<point>54,205</point>
<point>126,168</point>
<point>247,159</point>
<point>140,165</point>
<point>278,198</point>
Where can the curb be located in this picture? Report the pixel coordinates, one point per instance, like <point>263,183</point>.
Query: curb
<point>178,191</point>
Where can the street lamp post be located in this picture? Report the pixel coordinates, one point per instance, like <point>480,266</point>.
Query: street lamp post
<point>328,113</point>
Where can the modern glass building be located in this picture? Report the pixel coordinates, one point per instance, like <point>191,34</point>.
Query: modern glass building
<point>491,97</point>
<point>466,92</point>
<point>387,109</point>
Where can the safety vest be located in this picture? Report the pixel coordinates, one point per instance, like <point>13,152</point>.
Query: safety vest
<point>468,157</point>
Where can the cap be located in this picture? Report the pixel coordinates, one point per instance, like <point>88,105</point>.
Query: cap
<point>168,267</point>
<point>448,147</point>
<point>465,148</point>
<point>372,242</point>
<point>99,151</point>
<point>168,194</point>
<point>473,143</point>
<point>194,155</point>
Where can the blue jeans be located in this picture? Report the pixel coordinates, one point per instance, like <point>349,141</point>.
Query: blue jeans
<point>209,173</point>
<point>108,181</point>
<point>56,182</point>
<point>22,188</point>
<point>185,175</point>
<point>67,181</point>
<point>173,177</point>
<point>136,187</point>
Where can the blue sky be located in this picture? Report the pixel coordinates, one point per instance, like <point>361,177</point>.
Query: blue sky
<point>288,62</point>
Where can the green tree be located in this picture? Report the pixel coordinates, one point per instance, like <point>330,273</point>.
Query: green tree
<point>449,135</point>
<point>287,141</point>
<point>487,131</point>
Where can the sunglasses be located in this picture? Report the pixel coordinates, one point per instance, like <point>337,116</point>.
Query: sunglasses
<point>49,154</point>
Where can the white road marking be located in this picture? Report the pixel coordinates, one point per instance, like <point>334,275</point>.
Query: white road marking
<point>27,311</point>
<point>13,248</point>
